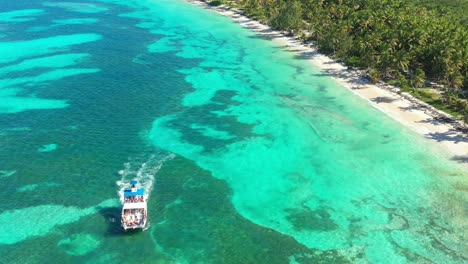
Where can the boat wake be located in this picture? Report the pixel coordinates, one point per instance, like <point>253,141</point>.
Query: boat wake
<point>142,169</point>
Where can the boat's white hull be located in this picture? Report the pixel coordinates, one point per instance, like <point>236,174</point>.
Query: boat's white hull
<point>142,226</point>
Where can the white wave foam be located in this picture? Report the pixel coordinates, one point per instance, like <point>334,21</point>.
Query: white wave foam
<point>144,172</point>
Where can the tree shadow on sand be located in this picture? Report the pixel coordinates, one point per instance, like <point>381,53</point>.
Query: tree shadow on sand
<point>411,108</point>
<point>451,135</point>
<point>432,120</point>
<point>461,159</point>
<point>383,99</point>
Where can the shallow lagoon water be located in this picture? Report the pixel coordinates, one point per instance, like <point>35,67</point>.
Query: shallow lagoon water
<point>250,154</point>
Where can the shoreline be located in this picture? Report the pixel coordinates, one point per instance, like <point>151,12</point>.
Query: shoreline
<point>402,107</point>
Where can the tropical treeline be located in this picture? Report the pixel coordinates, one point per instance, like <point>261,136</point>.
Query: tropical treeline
<point>403,44</point>
<point>458,8</point>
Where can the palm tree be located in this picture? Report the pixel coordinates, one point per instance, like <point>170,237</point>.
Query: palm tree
<point>450,95</point>
<point>289,17</point>
<point>418,79</point>
<point>465,114</point>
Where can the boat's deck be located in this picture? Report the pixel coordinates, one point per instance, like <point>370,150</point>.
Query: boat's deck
<point>133,218</point>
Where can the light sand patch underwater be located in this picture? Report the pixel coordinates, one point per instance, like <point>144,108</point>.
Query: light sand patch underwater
<point>7,173</point>
<point>13,103</point>
<point>16,93</point>
<point>76,21</point>
<point>64,23</point>
<point>10,102</point>
<point>56,61</point>
<point>77,7</point>
<point>15,100</point>
<point>16,50</point>
<point>20,15</point>
<point>79,244</point>
<point>35,187</point>
<point>47,148</point>
<point>40,220</point>
<point>46,77</point>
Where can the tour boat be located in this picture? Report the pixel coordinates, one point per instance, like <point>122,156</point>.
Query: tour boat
<point>134,210</point>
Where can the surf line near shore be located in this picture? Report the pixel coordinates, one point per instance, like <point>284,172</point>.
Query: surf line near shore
<point>402,107</point>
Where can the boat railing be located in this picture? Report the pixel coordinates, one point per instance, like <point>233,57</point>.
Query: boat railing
<point>134,199</point>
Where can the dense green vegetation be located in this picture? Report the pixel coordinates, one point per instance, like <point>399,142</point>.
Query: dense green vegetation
<point>406,45</point>
<point>458,8</point>
<point>215,3</point>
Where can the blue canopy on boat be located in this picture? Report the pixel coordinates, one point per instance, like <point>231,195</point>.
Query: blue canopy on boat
<point>134,182</point>
<point>128,193</point>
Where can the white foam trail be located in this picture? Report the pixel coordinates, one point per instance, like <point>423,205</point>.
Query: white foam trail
<point>144,172</point>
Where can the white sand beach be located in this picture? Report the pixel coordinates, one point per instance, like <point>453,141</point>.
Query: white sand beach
<point>402,107</point>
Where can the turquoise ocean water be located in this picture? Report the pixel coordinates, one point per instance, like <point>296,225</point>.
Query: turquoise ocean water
<point>250,154</point>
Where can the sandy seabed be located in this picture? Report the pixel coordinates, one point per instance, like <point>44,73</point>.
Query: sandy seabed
<point>409,111</point>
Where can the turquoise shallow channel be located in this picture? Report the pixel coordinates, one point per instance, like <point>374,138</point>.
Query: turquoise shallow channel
<point>249,153</point>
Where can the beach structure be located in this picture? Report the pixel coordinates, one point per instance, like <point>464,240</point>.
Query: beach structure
<point>134,209</point>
